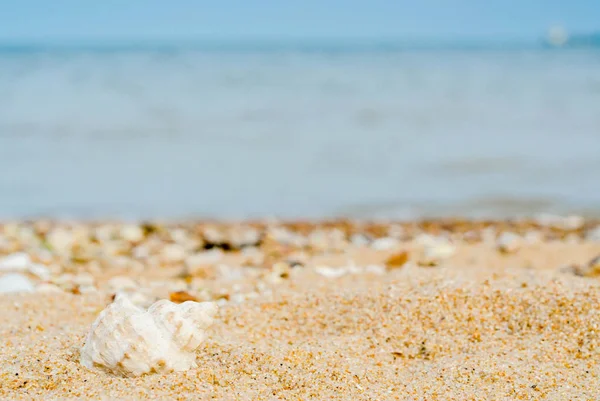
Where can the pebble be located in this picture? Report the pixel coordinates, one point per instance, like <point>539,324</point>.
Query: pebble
<point>375,269</point>
<point>60,240</point>
<point>21,262</point>
<point>360,240</point>
<point>84,280</point>
<point>40,271</point>
<point>508,242</point>
<point>330,272</point>
<point>14,282</point>
<point>279,272</point>
<point>132,233</point>
<point>15,261</point>
<point>173,253</point>
<point>561,222</point>
<point>397,260</point>
<point>384,244</point>
<point>204,258</point>
<point>48,288</point>
<point>593,234</point>
<point>246,236</point>
<point>336,272</point>
<point>121,283</point>
<point>436,252</point>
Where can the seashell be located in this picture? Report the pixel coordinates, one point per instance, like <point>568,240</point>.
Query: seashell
<point>128,341</point>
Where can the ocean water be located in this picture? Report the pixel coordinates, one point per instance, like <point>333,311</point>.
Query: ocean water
<point>288,132</point>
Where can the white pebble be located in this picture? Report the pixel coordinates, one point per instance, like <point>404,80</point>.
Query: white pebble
<point>173,253</point>
<point>16,261</point>
<point>21,262</point>
<point>121,283</point>
<point>84,280</point>
<point>331,272</point>
<point>14,282</point>
<point>384,244</point>
<point>204,258</point>
<point>508,242</point>
<point>436,252</point>
<point>48,288</point>
<point>132,233</point>
<point>593,234</point>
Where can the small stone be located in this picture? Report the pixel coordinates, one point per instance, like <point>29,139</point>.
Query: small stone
<point>397,260</point>
<point>533,237</point>
<point>278,272</point>
<point>21,262</point>
<point>40,271</point>
<point>435,253</point>
<point>104,233</point>
<point>360,240</point>
<point>204,258</point>
<point>132,233</point>
<point>213,235</point>
<point>182,296</point>
<point>244,237</point>
<point>281,270</point>
<point>384,244</point>
<point>330,272</point>
<point>48,288</point>
<point>14,282</point>
<point>561,222</point>
<point>121,283</point>
<point>593,234</point>
<point>15,262</point>
<point>508,242</point>
<point>60,240</point>
<point>84,280</point>
<point>173,253</point>
<point>65,281</point>
<point>375,269</point>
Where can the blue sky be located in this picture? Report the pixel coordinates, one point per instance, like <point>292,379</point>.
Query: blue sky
<point>110,20</point>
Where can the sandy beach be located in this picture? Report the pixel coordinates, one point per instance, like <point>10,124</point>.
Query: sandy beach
<point>340,310</point>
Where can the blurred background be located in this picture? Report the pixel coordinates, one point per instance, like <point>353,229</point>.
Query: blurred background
<point>246,109</point>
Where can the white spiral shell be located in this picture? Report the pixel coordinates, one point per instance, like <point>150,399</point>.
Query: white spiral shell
<point>129,341</point>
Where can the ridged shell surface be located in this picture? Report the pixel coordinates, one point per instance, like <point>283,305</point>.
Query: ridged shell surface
<point>129,341</point>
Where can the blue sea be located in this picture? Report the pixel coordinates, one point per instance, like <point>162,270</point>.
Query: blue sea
<point>298,131</point>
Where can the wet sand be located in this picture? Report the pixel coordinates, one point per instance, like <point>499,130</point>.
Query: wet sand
<point>319,310</point>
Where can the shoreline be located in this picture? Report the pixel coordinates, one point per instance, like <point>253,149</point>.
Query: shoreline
<point>429,309</point>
